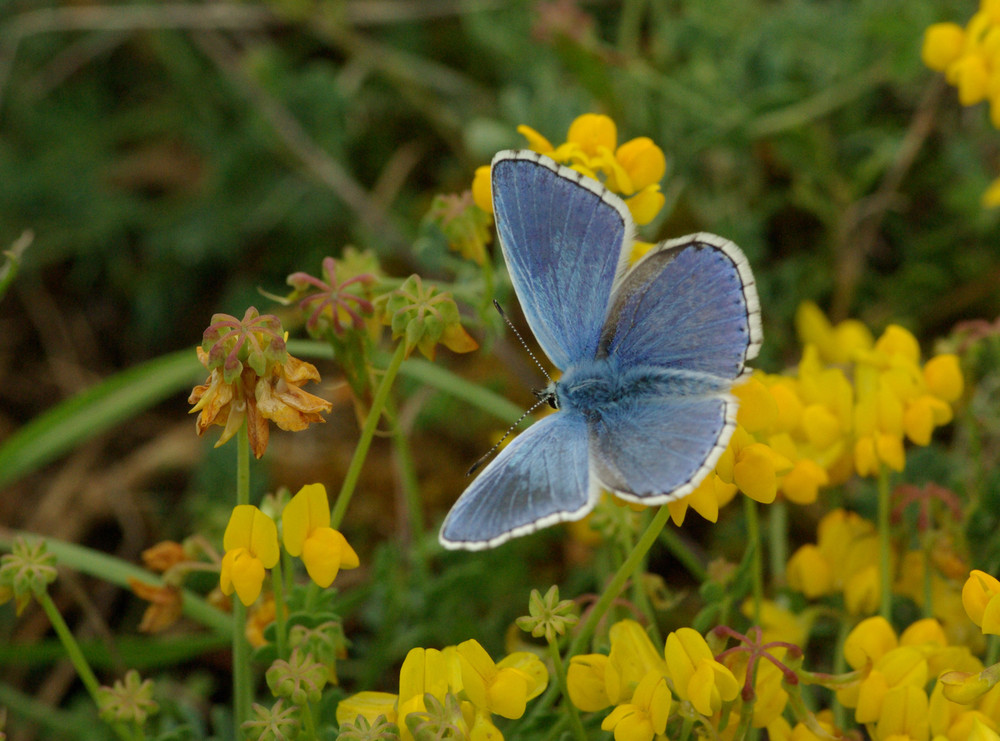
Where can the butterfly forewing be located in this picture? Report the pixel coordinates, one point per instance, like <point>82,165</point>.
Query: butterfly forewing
<point>539,479</point>
<point>690,304</point>
<point>562,236</point>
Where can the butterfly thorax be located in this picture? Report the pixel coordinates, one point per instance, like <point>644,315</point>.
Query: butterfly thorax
<point>598,386</point>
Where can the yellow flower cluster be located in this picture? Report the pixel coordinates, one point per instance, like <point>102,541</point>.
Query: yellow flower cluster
<point>844,559</point>
<point>464,674</point>
<point>643,683</point>
<point>892,698</point>
<point>633,170</point>
<point>970,60</point>
<point>251,543</point>
<point>848,408</point>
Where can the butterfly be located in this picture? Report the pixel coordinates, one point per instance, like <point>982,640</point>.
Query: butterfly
<point>648,355</point>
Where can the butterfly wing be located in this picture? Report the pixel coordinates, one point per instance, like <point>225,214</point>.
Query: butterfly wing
<point>689,312</point>
<point>689,304</point>
<point>539,479</point>
<point>562,236</point>
<point>662,449</point>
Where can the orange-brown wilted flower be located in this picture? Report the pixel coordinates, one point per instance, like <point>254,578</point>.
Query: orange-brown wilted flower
<point>253,378</point>
<point>164,555</point>
<point>165,605</point>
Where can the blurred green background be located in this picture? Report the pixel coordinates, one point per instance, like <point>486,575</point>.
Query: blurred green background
<point>173,158</point>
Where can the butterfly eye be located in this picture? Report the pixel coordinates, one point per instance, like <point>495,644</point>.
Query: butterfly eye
<point>548,396</point>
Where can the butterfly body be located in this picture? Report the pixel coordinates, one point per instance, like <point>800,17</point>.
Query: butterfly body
<point>648,355</point>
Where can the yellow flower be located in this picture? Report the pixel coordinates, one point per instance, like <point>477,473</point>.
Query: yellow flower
<point>502,688</point>
<point>900,667</point>
<point>943,376</point>
<point>869,641</point>
<point>251,543</point>
<point>631,657</point>
<point>592,133</point>
<point>369,705</point>
<point>991,197</point>
<point>706,499</point>
<point>305,524</point>
<point>981,599</point>
<point>585,682</point>
<point>809,572</point>
<point>861,591</point>
<point>646,204</point>
<point>967,687</point>
<point>905,714</point>
<point>971,75</point>
<point>482,189</point>
<point>645,716</point>
<point>426,671</point>
<point>982,732</point>
<point>698,677</point>
<point>943,44</point>
<point>536,141</point>
<point>643,162</point>
<point>836,344</point>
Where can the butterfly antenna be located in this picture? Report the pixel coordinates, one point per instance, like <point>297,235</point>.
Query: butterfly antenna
<point>523,344</point>
<point>491,451</point>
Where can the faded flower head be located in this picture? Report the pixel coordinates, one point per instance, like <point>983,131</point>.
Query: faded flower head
<point>253,379</point>
<point>27,570</point>
<point>333,303</point>
<point>424,317</point>
<point>301,679</point>
<point>128,701</point>
<point>548,616</point>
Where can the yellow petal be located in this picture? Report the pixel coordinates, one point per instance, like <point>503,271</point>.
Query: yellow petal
<point>325,552</point>
<point>643,160</point>
<point>808,572</point>
<point>585,682</point>
<point>869,641</point>
<point>592,131</point>
<point>943,44</point>
<point>369,705</point>
<point>646,204</point>
<point>536,142</point>
<point>943,376</point>
<point>482,189</point>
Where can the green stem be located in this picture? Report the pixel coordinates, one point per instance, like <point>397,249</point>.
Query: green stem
<point>560,668</point>
<point>611,592</point>
<point>992,649</point>
<point>308,721</point>
<point>278,585</point>
<point>885,581</point>
<point>757,565</point>
<point>242,690</point>
<point>367,433</point>
<point>75,654</point>
<point>408,482</point>
<point>777,540</point>
<point>839,667</point>
<point>625,572</point>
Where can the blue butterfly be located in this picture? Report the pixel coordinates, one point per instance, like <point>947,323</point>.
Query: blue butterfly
<point>648,355</point>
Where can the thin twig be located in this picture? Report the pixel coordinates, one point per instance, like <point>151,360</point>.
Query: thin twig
<point>863,220</point>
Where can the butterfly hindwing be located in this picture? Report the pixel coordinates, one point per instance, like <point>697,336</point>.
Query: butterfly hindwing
<point>660,449</point>
<point>562,236</point>
<point>539,479</point>
<point>690,304</point>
